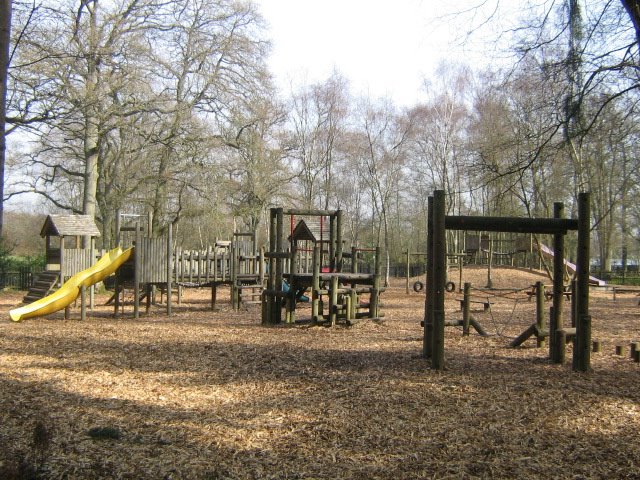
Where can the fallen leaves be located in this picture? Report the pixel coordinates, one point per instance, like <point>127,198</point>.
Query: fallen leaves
<point>216,395</point>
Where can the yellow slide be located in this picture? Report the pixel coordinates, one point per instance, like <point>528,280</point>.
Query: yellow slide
<point>66,294</point>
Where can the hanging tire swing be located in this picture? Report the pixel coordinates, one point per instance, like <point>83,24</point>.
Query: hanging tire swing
<point>450,287</point>
<point>418,286</point>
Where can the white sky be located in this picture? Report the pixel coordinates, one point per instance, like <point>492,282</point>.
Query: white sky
<point>385,48</point>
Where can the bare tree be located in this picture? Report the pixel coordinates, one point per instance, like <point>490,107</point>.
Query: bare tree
<point>318,116</point>
<point>256,171</point>
<point>132,97</point>
<point>5,37</point>
<point>212,60</point>
<point>69,70</point>
<point>385,134</point>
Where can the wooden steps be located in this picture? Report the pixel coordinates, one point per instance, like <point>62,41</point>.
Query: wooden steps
<point>42,286</point>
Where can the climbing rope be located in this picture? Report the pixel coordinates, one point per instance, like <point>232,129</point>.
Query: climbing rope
<point>510,294</point>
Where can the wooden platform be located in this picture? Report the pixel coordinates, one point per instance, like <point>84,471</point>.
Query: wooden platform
<point>305,280</point>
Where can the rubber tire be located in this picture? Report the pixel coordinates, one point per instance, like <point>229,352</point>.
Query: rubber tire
<point>450,287</point>
<point>418,286</point>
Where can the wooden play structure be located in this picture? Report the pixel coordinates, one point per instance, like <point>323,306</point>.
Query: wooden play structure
<point>67,251</point>
<point>149,267</point>
<point>236,264</point>
<point>159,266</point>
<point>197,267</point>
<point>316,235</point>
<point>247,270</point>
<point>496,249</point>
<point>558,226</point>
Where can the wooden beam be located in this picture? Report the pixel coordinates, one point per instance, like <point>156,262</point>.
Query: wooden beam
<point>510,224</point>
<point>439,278</point>
<point>582,342</point>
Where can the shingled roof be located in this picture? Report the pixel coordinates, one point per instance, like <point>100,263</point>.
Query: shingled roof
<point>69,225</point>
<point>310,229</point>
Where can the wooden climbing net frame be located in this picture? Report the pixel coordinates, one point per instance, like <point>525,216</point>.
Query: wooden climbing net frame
<point>434,318</point>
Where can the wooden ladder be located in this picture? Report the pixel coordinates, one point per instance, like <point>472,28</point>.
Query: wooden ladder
<point>44,284</point>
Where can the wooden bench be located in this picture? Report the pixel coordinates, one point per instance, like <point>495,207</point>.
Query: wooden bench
<point>485,303</point>
<point>623,289</point>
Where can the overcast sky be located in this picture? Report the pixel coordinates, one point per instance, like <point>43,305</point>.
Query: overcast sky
<point>385,48</point>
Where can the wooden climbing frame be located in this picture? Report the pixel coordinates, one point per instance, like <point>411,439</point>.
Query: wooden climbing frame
<point>438,223</point>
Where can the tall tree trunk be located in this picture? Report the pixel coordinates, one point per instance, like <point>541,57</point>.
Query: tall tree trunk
<point>633,9</point>
<point>160,197</point>
<point>91,166</point>
<point>573,100</point>
<point>5,36</point>
<point>91,129</point>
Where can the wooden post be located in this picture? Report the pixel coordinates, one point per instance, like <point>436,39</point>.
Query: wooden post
<point>261,267</point>
<point>338,227</point>
<point>83,303</point>
<point>347,309</point>
<point>466,307</point>
<point>190,269</point>
<point>148,293</point>
<point>235,253</point>
<point>333,300</point>
<point>224,263</point>
<point>136,273</point>
<point>354,260</point>
<point>439,278</point>
<point>354,304</point>
<point>170,269</point>
<point>374,305</point>
<point>561,339</point>
<point>290,302</point>
<point>62,262</point>
<point>574,301</point>
<point>427,340</point>
<point>408,274</point>
<point>332,243</point>
<point>215,262</point>
<point>254,253</point>
<point>540,314</point>
<point>277,310</point>
<point>315,285</point>
<point>556,321</point>
<point>268,299</point>
<point>582,343</point>
<point>92,289</point>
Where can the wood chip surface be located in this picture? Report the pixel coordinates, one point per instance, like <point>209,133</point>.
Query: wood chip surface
<point>213,394</point>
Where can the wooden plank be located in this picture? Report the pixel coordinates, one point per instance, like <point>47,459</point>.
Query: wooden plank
<point>510,224</point>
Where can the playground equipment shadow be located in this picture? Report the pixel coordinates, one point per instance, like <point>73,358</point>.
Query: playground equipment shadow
<point>216,395</point>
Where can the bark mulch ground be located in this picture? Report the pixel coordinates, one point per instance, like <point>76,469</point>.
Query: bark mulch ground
<point>206,395</point>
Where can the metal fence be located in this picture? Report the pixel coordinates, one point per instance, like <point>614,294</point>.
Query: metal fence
<point>618,278</point>
<point>21,279</point>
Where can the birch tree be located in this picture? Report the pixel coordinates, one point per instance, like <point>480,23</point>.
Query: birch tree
<point>385,133</point>
<point>318,117</point>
